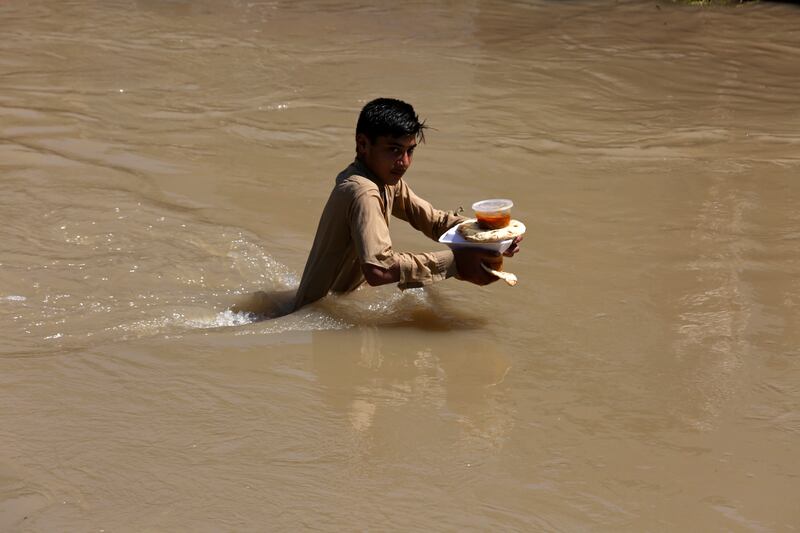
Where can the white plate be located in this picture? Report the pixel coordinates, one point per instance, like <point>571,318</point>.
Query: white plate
<point>454,240</point>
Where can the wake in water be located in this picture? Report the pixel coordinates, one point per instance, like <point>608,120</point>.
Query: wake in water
<point>111,265</point>
<point>114,266</point>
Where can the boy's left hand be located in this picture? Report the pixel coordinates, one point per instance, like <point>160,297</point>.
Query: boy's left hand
<point>514,248</point>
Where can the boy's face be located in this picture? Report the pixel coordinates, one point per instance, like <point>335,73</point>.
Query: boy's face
<point>388,157</point>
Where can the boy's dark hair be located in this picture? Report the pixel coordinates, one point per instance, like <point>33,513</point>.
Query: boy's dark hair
<point>388,116</point>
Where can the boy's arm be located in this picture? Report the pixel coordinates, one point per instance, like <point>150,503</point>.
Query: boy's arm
<point>469,266</point>
<point>380,264</point>
<point>421,214</point>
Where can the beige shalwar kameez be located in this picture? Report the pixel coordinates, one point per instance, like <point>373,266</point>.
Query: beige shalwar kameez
<point>354,229</point>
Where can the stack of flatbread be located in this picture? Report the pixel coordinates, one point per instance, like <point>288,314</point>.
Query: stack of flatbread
<point>472,232</point>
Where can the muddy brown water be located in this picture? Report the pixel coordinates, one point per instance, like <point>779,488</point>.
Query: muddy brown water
<point>158,159</point>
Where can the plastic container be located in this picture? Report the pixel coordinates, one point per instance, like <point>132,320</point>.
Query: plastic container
<point>494,213</point>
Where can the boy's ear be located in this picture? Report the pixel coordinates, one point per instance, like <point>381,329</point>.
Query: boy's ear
<point>361,143</point>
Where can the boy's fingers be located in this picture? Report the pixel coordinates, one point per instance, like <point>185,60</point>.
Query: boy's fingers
<point>514,248</point>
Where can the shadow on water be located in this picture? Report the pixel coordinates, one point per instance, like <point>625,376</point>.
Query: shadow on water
<point>424,309</point>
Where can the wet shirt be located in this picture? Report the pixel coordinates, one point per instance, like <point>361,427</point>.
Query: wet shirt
<point>354,229</point>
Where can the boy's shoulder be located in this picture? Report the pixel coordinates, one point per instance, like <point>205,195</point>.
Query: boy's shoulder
<point>353,181</point>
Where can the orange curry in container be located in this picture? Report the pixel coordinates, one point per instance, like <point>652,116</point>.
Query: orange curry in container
<point>493,214</point>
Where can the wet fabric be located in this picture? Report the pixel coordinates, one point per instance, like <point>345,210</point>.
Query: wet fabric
<point>354,229</point>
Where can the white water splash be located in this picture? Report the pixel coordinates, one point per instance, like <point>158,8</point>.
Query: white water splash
<point>226,318</point>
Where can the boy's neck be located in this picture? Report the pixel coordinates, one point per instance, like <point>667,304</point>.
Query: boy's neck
<point>368,171</point>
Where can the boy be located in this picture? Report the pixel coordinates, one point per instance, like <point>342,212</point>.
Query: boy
<point>352,244</point>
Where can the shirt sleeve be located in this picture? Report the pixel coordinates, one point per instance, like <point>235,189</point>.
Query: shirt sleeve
<point>370,234</point>
<point>421,214</point>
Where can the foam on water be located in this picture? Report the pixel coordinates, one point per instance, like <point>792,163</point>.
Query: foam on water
<point>224,319</point>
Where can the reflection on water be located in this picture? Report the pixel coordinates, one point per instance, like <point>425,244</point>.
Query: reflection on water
<point>713,320</point>
<point>371,373</point>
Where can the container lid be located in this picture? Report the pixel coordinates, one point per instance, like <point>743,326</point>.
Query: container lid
<point>495,204</point>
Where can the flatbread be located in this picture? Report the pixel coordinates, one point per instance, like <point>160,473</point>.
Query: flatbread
<point>474,233</point>
<point>508,277</point>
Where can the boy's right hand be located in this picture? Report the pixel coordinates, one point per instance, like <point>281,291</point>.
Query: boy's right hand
<point>468,264</point>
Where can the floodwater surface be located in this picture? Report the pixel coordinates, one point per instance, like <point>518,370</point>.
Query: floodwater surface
<point>158,160</point>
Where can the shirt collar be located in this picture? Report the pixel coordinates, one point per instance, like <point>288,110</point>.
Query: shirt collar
<point>363,170</point>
